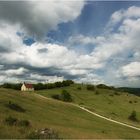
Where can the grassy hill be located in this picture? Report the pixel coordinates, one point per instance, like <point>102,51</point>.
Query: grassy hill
<point>107,102</point>
<point>67,120</point>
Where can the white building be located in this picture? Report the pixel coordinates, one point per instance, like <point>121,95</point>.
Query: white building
<point>27,87</point>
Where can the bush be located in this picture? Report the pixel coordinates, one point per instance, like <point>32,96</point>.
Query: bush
<point>91,87</point>
<point>133,116</point>
<point>79,88</point>
<point>105,86</point>
<point>116,93</point>
<point>12,86</point>
<point>56,96</point>
<point>58,84</point>
<point>50,86</point>
<point>24,123</point>
<point>65,96</point>
<point>130,102</point>
<point>15,107</point>
<point>11,120</point>
<point>97,92</point>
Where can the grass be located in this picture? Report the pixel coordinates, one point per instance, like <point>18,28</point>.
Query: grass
<point>69,121</point>
<point>109,103</point>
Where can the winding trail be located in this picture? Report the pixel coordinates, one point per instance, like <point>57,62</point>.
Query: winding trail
<point>95,114</point>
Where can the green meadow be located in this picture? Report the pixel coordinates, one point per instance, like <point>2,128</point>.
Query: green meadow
<point>109,103</point>
<point>67,120</point>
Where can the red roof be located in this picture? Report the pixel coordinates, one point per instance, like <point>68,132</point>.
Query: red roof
<point>28,85</point>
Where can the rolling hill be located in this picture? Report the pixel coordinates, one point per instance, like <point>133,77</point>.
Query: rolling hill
<point>67,120</point>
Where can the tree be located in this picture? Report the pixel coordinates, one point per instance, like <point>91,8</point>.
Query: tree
<point>65,96</point>
<point>133,116</point>
<point>90,87</point>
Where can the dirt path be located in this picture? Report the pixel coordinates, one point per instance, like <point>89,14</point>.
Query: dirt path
<point>95,114</point>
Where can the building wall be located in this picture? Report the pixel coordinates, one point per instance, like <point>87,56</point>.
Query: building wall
<point>23,88</point>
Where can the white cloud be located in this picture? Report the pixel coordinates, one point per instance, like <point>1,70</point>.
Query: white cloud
<point>13,72</point>
<point>131,70</point>
<point>46,79</point>
<point>90,78</point>
<point>36,18</point>
<point>117,46</point>
<point>85,40</point>
<point>118,16</point>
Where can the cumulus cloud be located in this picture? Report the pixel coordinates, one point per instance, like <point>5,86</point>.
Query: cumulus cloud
<point>85,40</point>
<point>90,78</point>
<point>46,79</point>
<point>36,18</point>
<point>131,70</point>
<point>118,16</point>
<point>118,48</point>
<point>13,72</point>
<point>113,51</point>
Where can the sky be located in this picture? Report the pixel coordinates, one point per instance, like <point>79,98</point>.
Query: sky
<point>85,41</point>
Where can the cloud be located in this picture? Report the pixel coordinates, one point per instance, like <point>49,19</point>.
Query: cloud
<point>37,18</point>
<point>46,79</point>
<point>43,61</point>
<point>13,72</point>
<point>90,78</point>
<point>131,70</point>
<point>120,15</point>
<point>85,40</point>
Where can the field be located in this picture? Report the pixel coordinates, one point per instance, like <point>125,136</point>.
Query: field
<point>107,103</point>
<point>66,119</point>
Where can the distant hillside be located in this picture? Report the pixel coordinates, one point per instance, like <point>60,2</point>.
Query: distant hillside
<point>135,91</point>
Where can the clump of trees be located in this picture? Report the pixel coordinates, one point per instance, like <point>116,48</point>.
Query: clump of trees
<point>79,88</point>
<point>64,96</point>
<point>12,86</point>
<point>91,87</point>
<point>104,86</point>
<point>39,86</point>
<point>133,116</point>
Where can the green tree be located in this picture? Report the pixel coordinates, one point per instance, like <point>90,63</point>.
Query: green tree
<point>133,116</point>
<point>65,96</point>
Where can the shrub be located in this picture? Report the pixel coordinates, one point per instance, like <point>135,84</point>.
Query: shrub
<point>79,88</point>
<point>15,107</point>
<point>65,96</point>
<point>105,86</point>
<point>56,96</point>
<point>130,102</point>
<point>58,84</point>
<point>25,123</point>
<point>91,87</point>
<point>97,92</point>
<point>111,95</point>
<point>50,86</point>
<point>135,101</point>
<point>133,116</point>
<point>116,93</point>
<point>12,86</point>
<point>11,120</point>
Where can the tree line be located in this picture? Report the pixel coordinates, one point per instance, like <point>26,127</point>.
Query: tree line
<point>39,86</point>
